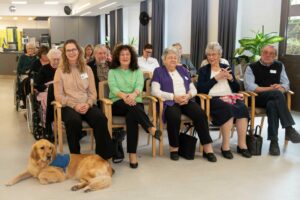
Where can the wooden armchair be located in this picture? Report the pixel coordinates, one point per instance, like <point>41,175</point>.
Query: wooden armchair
<point>59,124</point>
<point>184,119</point>
<point>261,112</point>
<point>207,109</point>
<point>119,121</point>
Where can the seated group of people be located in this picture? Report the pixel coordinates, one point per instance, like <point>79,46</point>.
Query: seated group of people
<point>75,87</point>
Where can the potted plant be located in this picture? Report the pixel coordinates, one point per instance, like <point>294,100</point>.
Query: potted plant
<point>249,50</point>
<point>250,47</point>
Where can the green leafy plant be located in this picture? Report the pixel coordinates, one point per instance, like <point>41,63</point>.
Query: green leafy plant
<point>249,50</point>
<point>132,41</point>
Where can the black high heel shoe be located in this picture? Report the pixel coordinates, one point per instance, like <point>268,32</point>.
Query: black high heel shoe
<point>244,152</point>
<point>227,154</point>
<point>133,165</point>
<point>210,157</point>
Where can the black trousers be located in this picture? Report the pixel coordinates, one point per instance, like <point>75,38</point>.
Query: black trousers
<point>96,119</point>
<point>134,115</point>
<point>276,108</point>
<point>195,113</point>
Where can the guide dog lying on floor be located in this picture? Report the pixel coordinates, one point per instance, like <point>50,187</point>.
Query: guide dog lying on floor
<point>91,170</point>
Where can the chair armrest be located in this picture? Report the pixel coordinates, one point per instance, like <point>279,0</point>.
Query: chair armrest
<point>202,100</point>
<point>106,101</point>
<point>289,94</point>
<point>245,95</point>
<point>56,104</point>
<point>152,98</point>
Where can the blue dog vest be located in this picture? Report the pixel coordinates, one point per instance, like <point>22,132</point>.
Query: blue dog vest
<point>61,161</point>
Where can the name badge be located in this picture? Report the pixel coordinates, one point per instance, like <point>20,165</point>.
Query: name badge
<point>273,71</point>
<point>84,76</point>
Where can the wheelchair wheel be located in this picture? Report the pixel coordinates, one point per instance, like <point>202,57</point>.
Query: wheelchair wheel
<point>30,112</point>
<point>16,96</point>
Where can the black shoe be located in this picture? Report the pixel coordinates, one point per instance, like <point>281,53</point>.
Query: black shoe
<point>227,154</point>
<point>274,148</point>
<point>133,165</point>
<point>157,135</point>
<point>174,155</point>
<point>292,135</point>
<point>210,157</point>
<point>244,152</point>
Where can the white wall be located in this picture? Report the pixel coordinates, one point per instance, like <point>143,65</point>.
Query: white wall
<point>255,13</point>
<point>213,20</point>
<point>102,29</point>
<point>131,22</point>
<point>178,23</point>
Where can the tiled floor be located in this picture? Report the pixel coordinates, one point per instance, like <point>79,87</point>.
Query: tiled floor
<point>262,177</point>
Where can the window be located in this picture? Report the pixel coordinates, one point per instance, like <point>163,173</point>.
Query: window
<point>293,28</point>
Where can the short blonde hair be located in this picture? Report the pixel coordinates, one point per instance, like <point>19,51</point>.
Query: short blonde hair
<point>214,46</point>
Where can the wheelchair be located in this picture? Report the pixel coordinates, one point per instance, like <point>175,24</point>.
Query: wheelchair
<point>21,89</point>
<point>35,114</point>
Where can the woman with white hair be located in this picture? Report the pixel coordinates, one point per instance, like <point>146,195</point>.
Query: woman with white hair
<point>46,74</point>
<point>172,83</point>
<point>23,67</point>
<point>44,79</point>
<point>217,80</point>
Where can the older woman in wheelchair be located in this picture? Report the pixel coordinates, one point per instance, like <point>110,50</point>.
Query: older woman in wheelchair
<point>43,94</point>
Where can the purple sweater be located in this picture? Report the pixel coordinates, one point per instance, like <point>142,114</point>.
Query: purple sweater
<point>162,76</point>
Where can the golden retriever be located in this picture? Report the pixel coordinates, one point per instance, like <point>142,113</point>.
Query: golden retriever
<point>92,171</point>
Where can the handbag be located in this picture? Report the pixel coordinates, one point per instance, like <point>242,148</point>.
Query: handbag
<point>187,144</point>
<point>118,136</point>
<point>254,142</point>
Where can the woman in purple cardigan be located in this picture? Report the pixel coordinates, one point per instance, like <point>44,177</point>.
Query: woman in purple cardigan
<point>173,84</point>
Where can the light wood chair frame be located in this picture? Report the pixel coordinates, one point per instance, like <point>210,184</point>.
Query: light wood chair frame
<point>106,105</point>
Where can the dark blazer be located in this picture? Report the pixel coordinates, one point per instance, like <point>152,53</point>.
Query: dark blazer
<point>93,66</point>
<point>205,83</point>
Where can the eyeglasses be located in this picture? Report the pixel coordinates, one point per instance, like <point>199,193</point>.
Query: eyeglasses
<point>268,53</point>
<point>71,50</point>
<point>148,52</point>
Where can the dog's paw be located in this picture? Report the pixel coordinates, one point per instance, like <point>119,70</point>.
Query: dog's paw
<point>87,190</point>
<point>75,188</point>
<point>10,183</point>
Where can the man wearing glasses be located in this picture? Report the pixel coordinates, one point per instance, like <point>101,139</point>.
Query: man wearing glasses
<point>268,78</point>
<point>146,62</point>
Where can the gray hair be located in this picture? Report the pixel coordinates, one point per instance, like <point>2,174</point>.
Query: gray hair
<point>214,46</point>
<point>271,46</point>
<point>168,51</point>
<point>53,52</point>
<point>100,46</point>
<point>30,44</point>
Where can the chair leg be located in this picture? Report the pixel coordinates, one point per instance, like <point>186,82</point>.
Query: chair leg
<point>153,146</point>
<point>92,139</point>
<point>261,124</point>
<point>286,142</point>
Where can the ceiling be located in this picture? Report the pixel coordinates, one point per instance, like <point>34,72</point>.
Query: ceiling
<point>79,7</point>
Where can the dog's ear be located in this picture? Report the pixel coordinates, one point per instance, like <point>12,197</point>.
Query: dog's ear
<point>34,154</point>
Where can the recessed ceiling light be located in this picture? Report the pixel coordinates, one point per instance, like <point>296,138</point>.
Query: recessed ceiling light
<point>1,18</point>
<point>51,2</point>
<point>107,5</point>
<point>19,2</point>
<point>84,6</point>
<point>15,18</point>
<point>86,13</point>
<point>30,18</point>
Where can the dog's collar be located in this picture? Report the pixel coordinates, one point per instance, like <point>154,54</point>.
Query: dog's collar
<point>61,161</point>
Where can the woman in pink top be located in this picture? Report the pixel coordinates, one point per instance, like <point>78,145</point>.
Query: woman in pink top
<point>74,88</point>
